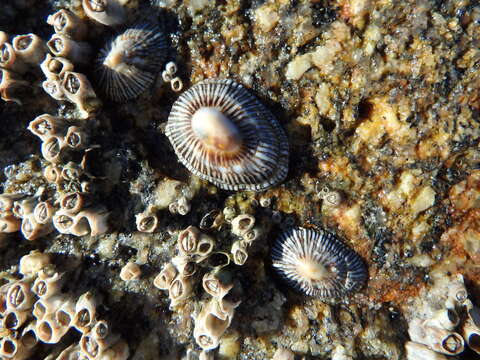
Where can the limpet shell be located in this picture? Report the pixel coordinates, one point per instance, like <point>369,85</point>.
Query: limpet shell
<point>223,134</point>
<point>318,263</point>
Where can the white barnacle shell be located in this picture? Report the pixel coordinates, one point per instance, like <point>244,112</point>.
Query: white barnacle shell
<point>223,134</point>
<point>317,263</point>
<point>30,48</point>
<point>106,12</point>
<point>129,63</point>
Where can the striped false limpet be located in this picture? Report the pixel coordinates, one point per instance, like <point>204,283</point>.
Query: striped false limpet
<point>223,134</point>
<point>318,263</point>
<point>129,63</point>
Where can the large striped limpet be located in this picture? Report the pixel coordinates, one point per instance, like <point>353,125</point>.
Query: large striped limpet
<point>318,263</point>
<point>223,134</point>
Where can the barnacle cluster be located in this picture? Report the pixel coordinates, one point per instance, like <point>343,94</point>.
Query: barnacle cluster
<point>62,82</point>
<point>32,215</point>
<point>196,254</point>
<point>16,58</point>
<point>35,310</point>
<point>433,326</point>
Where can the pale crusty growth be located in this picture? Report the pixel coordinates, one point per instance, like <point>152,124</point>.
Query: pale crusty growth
<point>24,206</point>
<point>128,65</point>
<point>55,67</point>
<point>118,351</point>
<point>30,48</point>
<point>130,271</point>
<point>106,12</point>
<point>317,263</point>
<point>47,125</point>
<point>457,292</point>
<point>223,134</point>
<point>416,351</point>
<point>65,22</point>
<point>283,354</point>
<point>77,52</point>
<point>32,263</point>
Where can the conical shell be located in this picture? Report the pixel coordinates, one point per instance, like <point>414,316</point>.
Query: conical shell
<point>318,263</point>
<point>223,134</point>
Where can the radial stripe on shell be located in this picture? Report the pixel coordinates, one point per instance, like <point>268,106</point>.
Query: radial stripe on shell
<point>318,263</point>
<point>223,134</point>
<point>129,63</point>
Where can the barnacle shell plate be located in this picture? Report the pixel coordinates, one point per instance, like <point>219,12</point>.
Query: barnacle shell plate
<point>317,263</point>
<point>223,134</point>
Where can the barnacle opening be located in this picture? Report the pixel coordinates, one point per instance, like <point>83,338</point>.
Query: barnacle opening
<point>96,5</point>
<point>4,53</point>
<point>9,347</point>
<point>23,42</point>
<point>72,83</point>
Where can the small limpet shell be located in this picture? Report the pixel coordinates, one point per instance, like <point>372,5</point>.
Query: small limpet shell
<point>129,63</point>
<point>223,134</point>
<point>317,263</point>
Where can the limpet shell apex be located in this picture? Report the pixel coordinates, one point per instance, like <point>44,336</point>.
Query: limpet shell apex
<point>223,134</point>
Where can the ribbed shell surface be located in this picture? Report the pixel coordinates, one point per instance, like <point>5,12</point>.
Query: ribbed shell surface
<point>299,245</point>
<point>144,48</point>
<point>262,160</point>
